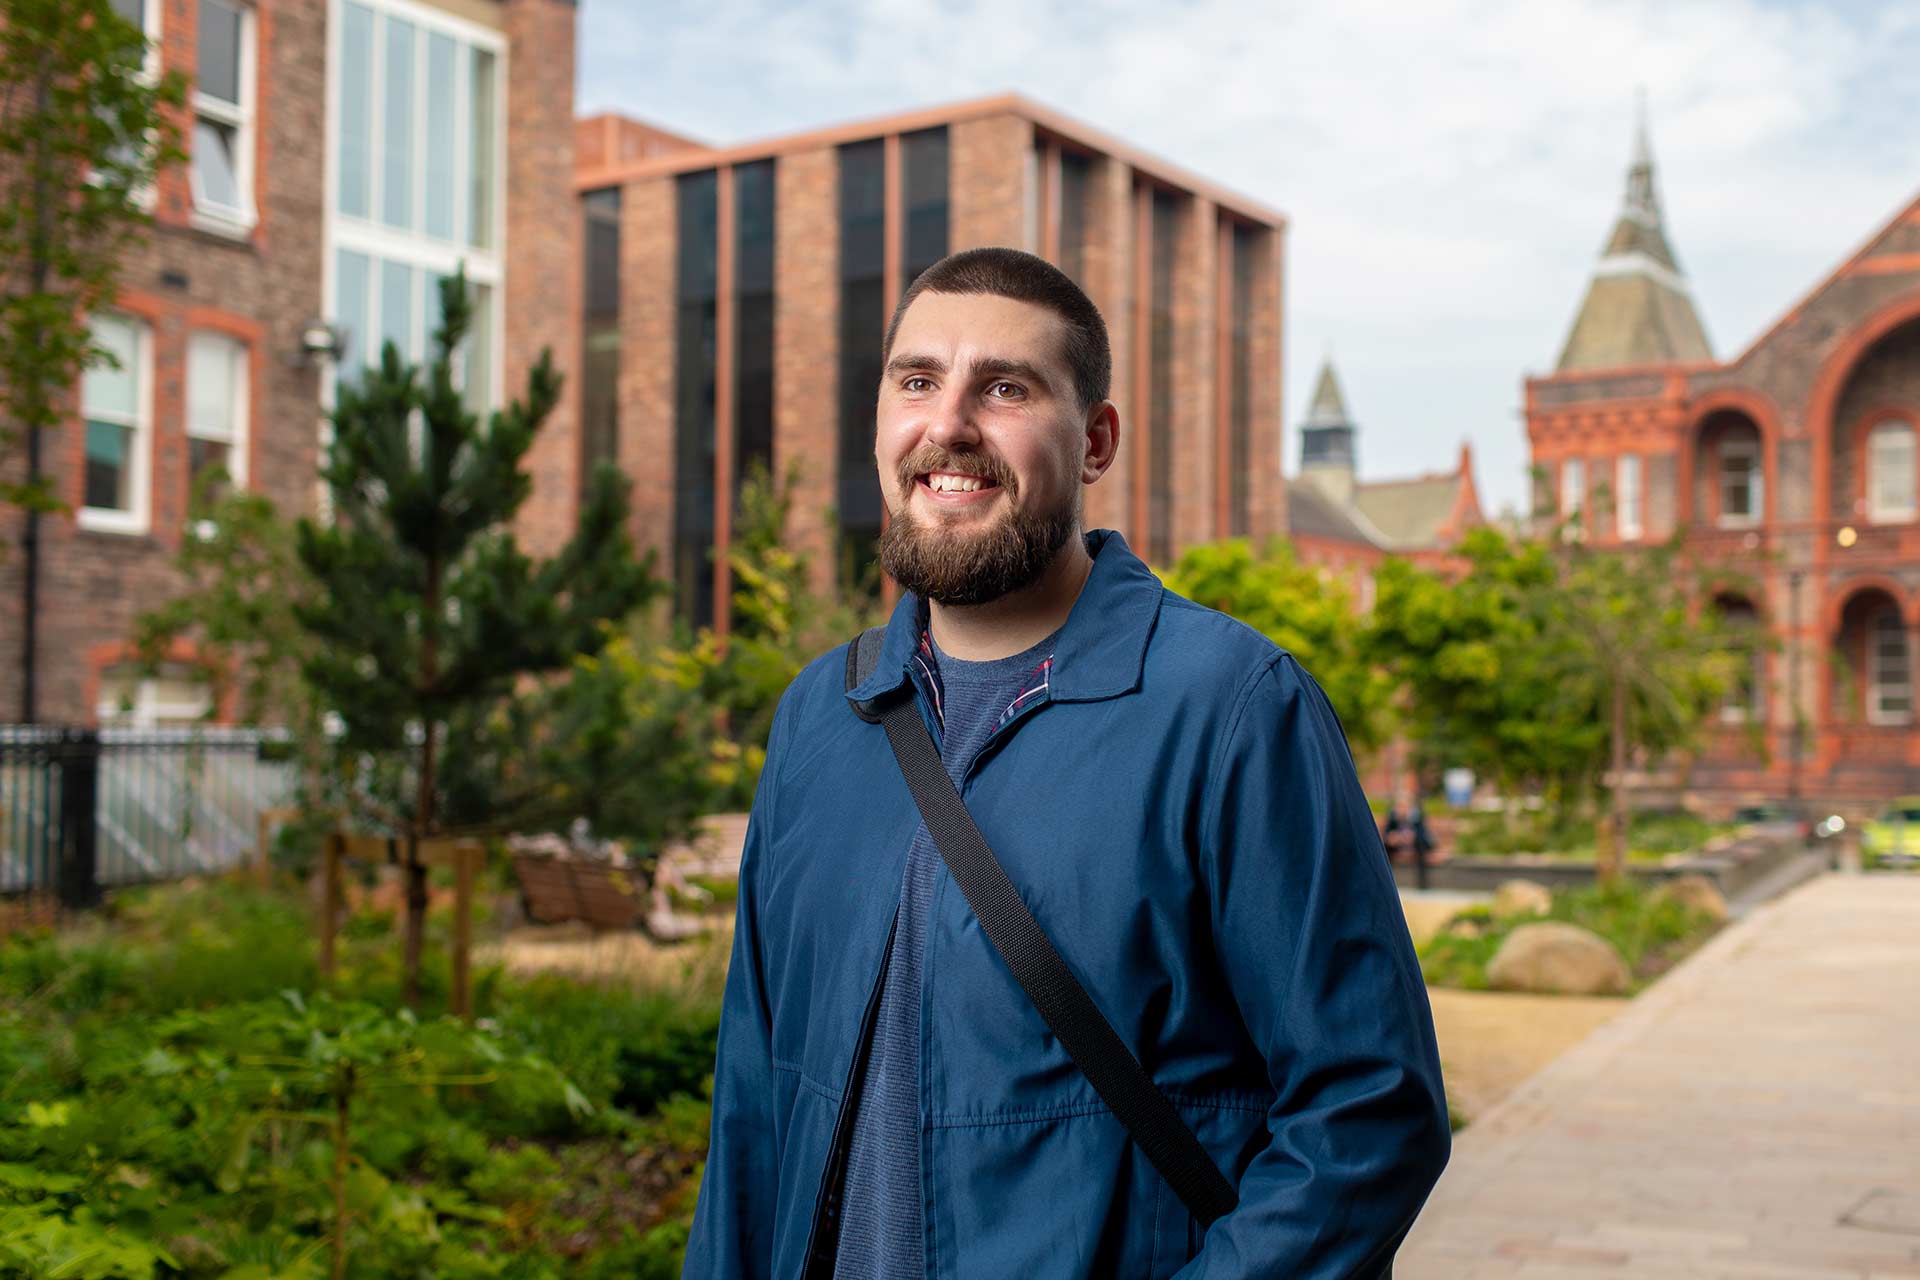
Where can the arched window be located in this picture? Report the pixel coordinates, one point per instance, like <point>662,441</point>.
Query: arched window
<point>1889,669</point>
<point>1890,471</point>
<point>1741,477</point>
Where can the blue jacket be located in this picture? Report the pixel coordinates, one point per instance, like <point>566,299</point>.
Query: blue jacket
<point>1179,809</point>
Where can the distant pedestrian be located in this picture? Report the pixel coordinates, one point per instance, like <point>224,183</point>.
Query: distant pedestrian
<point>1405,833</point>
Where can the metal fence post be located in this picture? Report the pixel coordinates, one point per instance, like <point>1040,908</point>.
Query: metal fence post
<point>79,755</point>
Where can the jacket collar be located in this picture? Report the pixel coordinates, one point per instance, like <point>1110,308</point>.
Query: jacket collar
<point>1101,649</point>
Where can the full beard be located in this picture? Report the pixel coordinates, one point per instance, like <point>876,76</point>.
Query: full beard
<point>976,566</point>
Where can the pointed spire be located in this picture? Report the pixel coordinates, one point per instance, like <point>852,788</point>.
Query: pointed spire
<point>1639,308</point>
<point>1329,407</point>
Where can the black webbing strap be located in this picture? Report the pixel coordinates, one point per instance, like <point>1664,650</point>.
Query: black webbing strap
<point>1063,1003</point>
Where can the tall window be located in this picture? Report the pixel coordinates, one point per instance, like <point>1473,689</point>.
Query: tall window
<point>600,360</point>
<point>1246,251</point>
<point>863,319</point>
<point>753,196</point>
<point>116,404</point>
<point>696,292</point>
<point>1629,503</point>
<point>1889,669</point>
<point>416,178</point>
<point>923,157</point>
<point>1740,478</point>
<point>174,697</point>
<point>1573,488</point>
<point>1890,472</point>
<point>223,95</point>
<point>1166,219</point>
<point>1076,175</point>
<point>1745,698</point>
<point>216,413</point>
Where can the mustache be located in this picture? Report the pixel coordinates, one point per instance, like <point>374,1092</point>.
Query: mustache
<point>935,457</point>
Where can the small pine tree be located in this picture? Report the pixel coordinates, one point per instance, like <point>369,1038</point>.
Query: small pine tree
<point>428,614</point>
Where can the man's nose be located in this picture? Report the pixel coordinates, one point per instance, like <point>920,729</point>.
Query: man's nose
<point>950,421</point>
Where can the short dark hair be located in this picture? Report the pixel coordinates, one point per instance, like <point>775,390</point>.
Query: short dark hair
<point>1009,273</point>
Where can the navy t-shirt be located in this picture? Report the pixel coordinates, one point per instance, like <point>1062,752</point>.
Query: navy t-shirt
<point>881,1232</point>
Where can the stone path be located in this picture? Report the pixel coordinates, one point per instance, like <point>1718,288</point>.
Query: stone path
<point>1756,1114</point>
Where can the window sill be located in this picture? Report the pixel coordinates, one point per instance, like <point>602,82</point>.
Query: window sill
<point>1737,522</point>
<point>101,520</point>
<point>1892,517</point>
<point>228,224</point>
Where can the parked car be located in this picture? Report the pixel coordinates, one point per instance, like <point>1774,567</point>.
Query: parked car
<point>1893,839</point>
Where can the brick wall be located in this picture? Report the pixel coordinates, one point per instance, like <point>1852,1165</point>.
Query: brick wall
<point>261,289</point>
<point>806,376</point>
<point>987,183</point>
<point>647,233</point>
<point>1109,259</point>
<point>543,248</point>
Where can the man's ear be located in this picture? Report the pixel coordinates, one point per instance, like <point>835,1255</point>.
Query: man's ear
<point>1103,441</point>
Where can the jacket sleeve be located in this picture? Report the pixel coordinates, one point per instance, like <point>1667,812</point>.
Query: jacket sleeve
<point>732,1235</point>
<point>1310,933</point>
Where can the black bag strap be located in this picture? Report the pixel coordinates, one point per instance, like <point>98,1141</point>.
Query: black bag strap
<point>1063,1003</point>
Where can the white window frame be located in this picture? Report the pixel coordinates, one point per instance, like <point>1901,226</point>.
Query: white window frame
<point>1749,448</point>
<point>1573,487</point>
<point>1876,510</point>
<point>148,710</point>
<point>150,17</point>
<point>239,426</point>
<point>136,519</point>
<point>237,222</point>
<point>369,235</point>
<point>1629,499</point>
<point>1878,685</point>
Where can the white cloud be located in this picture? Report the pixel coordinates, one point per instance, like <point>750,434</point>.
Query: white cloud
<point>1450,167</point>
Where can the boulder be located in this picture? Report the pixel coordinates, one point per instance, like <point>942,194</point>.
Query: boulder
<point>1521,898</point>
<point>1696,893</point>
<point>1552,958</point>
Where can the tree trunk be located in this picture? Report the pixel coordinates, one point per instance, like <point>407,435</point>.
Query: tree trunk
<point>342,1110</point>
<point>1613,857</point>
<point>423,816</point>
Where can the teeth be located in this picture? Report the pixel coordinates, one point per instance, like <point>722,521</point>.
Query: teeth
<point>955,484</point>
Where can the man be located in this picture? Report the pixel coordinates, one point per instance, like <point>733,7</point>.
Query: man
<point>1174,800</point>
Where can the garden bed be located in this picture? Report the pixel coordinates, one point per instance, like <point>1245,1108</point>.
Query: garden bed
<point>1732,863</point>
<point>173,1079</point>
<point>1651,932</point>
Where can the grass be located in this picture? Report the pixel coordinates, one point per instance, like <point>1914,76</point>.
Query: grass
<point>1652,933</point>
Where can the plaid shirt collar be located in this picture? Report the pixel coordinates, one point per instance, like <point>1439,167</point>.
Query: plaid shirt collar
<point>926,663</point>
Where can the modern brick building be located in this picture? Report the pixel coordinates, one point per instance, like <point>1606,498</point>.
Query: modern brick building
<point>1790,467</point>
<point>737,298</point>
<point>344,155</point>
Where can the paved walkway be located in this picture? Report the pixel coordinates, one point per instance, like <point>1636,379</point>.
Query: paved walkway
<point>1755,1114</point>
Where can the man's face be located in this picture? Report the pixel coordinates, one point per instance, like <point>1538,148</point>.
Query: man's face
<point>982,447</point>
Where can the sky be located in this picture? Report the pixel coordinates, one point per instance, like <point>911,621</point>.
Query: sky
<point>1449,168</point>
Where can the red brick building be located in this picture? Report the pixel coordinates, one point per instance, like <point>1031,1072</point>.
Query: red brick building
<point>344,155</point>
<point>1350,525</point>
<point>1791,466</point>
<point>737,298</point>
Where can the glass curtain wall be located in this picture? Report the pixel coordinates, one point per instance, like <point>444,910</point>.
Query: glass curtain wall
<point>753,321</point>
<point>1076,173</point>
<point>1246,257</point>
<point>600,359</point>
<point>923,155</point>
<point>696,297</point>
<point>863,210</point>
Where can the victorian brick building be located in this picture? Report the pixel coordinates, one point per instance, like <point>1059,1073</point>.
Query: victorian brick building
<point>737,297</point>
<point>1338,520</point>
<point>1790,468</point>
<point>345,155</point>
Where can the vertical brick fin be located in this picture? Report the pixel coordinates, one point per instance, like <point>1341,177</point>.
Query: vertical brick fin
<point>543,253</point>
<point>806,325</point>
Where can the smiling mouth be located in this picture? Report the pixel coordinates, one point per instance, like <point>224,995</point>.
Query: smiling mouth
<point>954,484</point>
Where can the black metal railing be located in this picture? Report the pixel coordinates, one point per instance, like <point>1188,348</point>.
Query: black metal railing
<point>82,810</point>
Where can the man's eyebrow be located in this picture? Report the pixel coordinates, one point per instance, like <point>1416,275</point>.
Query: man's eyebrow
<point>1003,367</point>
<point>915,364</point>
